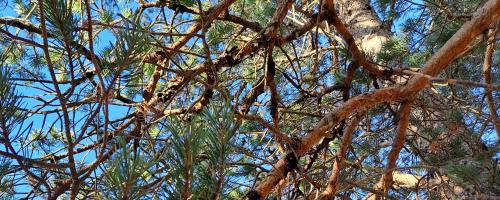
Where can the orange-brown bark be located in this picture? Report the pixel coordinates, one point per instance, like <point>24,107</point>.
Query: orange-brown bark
<point>458,43</point>
<point>386,180</point>
<point>160,56</point>
<point>488,58</point>
<point>356,53</point>
<point>455,45</point>
<point>331,187</point>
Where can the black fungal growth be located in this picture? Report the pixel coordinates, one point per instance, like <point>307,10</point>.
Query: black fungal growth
<point>89,74</point>
<point>253,195</point>
<point>230,56</point>
<point>291,162</point>
<point>271,66</point>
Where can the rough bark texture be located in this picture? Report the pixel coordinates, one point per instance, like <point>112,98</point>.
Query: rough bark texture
<point>455,45</point>
<point>319,131</point>
<point>247,45</point>
<point>488,59</point>
<point>331,187</point>
<point>364,24</point>
<point>159,58</point>
<point>387,178</point>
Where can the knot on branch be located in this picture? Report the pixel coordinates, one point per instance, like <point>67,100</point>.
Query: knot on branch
<point>169,92</point>
<point>271,66</point>
<point>230,56</point>
<point>177,7</point>
<point>166,95</point>
<point>295,142</point>
<point>140,116</point>
<point>253,195</point>
<point>291,162</point>
<point>263,40</point>
<point>89,74</point>
<point>387,73</point>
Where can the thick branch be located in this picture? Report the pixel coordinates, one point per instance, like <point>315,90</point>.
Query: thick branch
<point>331,187</point>
<point>488,58</point>
<point>316,134</point>
<point>387,179</point>
<point>458,43</point>
<point>483,17</point>
<point>356,53</point>
<point>160,56</point>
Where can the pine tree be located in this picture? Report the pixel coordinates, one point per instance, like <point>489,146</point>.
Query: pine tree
<point>167,99</point>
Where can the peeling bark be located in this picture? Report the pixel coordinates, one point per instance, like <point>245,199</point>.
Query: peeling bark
<point>386,180</point>
<point>364,24</point>
<point>331,187</point>
<point>160,57</point>
<point>455,45</point>
<point>488,59</point>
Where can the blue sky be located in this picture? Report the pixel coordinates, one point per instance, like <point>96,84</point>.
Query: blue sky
<point>103,41</point>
